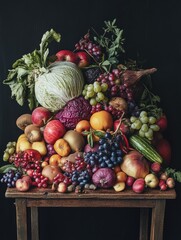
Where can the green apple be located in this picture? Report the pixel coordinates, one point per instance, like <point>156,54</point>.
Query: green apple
<point>151,180</point>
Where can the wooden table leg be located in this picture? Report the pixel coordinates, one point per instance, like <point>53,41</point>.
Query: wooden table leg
<point>144,216</point>
<point>34,223</point>
<point>21,219</point>
<point>157,221</point>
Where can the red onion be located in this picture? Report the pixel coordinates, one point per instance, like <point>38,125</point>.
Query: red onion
<point>104,178</point>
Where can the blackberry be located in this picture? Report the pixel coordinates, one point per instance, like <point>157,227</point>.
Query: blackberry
<point>91,74</point>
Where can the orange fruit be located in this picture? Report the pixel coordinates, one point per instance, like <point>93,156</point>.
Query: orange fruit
<point>82,125</point>
<point>121,176</point>
<point>54,160</point>
<point>101,120</point>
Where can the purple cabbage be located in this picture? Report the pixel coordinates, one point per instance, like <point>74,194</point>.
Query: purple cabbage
<point>75,110</point>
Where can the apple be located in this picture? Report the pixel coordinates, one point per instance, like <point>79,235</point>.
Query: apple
<point>22,185</point>
<point>155,167</point>
<point>54,130</point>
<point>62,187</point>
<point>83,59</point>
<point>120,186</point>
<point>163,147</point>
<point>164,176</point>
<point>151,180</point>
<point>66,55</point>
<point>162,123</point>
<point>29,172</point>
<point>124,127</point>
<point>170,182</point>
<point>129,181</point>
<point>138,185</point>
<point>162,184</point>
<point>40,147</point>
<point>40,116</point>
<point>134,164</point>
<point>27,178</point>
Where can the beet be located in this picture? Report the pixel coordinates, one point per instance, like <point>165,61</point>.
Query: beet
<point>104,178</point>
<point>74,111</point>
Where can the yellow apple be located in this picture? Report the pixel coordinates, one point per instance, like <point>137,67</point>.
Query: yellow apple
<point>120,186</point>
<point>40,147</point>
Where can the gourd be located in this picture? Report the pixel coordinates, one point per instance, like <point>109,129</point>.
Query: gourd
<point>144,147</point>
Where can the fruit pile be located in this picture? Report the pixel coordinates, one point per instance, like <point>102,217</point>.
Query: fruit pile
<point>109,131</point>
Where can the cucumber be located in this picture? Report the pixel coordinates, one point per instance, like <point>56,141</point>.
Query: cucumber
<point>145,148</point>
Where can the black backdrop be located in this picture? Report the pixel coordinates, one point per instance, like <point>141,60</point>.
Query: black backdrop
<point>153,32</point>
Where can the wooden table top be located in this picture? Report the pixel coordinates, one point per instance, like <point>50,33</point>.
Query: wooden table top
<point>47,193</point>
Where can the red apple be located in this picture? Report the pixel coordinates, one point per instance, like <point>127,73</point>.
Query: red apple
<point>83,59</point>
<point>62,187</point>
<point>54,130</point>
<point>129,181</point>
<point>162,123</point>
<point>163,147</point>
<point>151,180</point>
<point>29,172</point>
<point>124,127</point>
<point>27,178</point>
<point>66,55</point>
<point>170,182</point>
<point>22,185</point>
<point>138,185</point>
<point>134,164</point>
<point>162,184</point>
<point>155,167</point>
<point>40,116</point>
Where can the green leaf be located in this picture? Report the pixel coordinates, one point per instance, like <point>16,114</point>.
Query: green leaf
<point>21,78</point>
<point>90,140</point>
<point>47,37</point>
<point>99,133</point>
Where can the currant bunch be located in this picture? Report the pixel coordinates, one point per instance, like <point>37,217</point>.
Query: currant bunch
<point>89,46</point>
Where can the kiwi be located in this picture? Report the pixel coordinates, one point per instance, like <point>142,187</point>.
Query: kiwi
<point>33,133</point>
<point>23,121</point>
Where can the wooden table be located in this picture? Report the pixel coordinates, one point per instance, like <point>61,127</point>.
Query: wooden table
<point>150,199</point>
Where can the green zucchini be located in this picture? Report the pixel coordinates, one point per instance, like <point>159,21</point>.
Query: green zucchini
<point>144,147</point>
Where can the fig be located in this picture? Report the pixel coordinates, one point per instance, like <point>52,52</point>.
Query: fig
<point>23,121</point>
<point>33,133</point>
<point>118,103</point>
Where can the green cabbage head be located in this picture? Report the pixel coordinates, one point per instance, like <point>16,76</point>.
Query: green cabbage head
<point>61,82</point>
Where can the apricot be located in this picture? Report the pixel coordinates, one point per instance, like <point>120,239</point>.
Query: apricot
<point>55,159</point>
<point>82,126</point>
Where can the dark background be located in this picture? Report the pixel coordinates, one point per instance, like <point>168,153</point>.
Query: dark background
<point>153,33</point>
